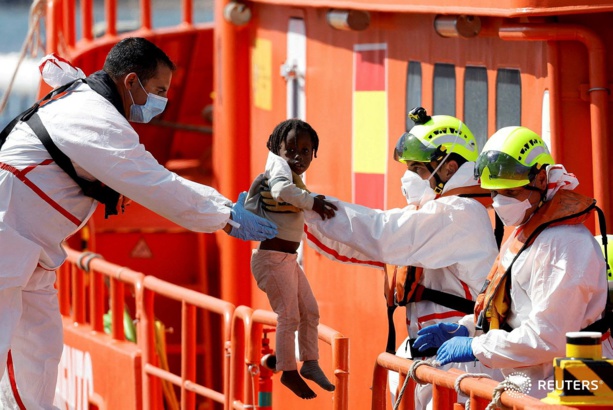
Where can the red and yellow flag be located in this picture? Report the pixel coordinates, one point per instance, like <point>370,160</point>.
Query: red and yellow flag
<point>370,150</point>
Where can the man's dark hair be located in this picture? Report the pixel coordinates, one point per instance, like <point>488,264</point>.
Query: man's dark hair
<point>279,134</point>
<point>135,55</point>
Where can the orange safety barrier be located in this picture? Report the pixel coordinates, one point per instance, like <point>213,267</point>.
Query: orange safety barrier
<point>248,371</point>
<point>128,375</point>
<point>190,301</point>
<point>83,299</point>
<point>61,18</point>
<point>444,397</point>
<point>82,267</point>
<point>87,286</point>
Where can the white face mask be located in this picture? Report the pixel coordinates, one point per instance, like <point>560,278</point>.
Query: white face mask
<point>417,191</point>
<point>154,105</point>
<point>510,210</point>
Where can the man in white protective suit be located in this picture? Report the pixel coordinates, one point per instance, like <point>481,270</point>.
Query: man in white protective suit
<point>550,277</point>
<point>41,204</point>
<point>445,232</point>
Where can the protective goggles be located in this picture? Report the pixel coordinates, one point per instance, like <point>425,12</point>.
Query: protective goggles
<point>411,148</point>
<point>502,166</point>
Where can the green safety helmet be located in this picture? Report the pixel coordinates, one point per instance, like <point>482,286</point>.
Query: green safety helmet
<point>434,137</point>
<point>511,158</point>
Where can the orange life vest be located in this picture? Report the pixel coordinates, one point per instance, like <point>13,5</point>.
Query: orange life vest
<point>565,208</point>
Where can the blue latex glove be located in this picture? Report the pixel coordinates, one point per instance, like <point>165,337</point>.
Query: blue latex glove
<point>435,335</point>
<point>248,226</point>
<point>456,350</point>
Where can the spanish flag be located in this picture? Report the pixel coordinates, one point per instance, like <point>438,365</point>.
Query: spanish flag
<point>369,128</point>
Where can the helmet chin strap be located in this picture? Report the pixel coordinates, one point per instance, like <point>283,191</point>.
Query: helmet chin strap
<point>433,173</point>
<point>543,194</point>
<point>440,184</point>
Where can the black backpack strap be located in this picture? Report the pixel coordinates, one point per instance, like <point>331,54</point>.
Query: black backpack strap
<point>93,189</point>
<point>498,230</point>
<point>605,323</point>
<point>9,127</point>
<point>24,116</point>
<point>58,156</point>
<point>448,300</point>
<point>391,331</point>
<point>441,298</point>
<point>602,223</point>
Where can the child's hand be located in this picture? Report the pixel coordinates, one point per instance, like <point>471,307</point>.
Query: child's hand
<point>324,208</point>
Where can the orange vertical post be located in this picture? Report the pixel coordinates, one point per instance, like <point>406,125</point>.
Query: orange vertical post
<point>237,352</point>
<point>96,300</point>
<point>52,24</point>
<point>340,352</point>
<point>265,382</point>
<point>63,287</point>
<point>145,17</point>
<point>69,23</point>
<point>188,12</point>
<point>231,145</point>
<point>86,20</point>
<point>188,354</point>
<point>78,295</point>
<point>152,393</point>
<point>111,17</point>
<point>117,307</point>
<point>379,384</point>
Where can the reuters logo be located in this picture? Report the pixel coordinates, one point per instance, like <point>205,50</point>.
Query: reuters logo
<point>518,384</point>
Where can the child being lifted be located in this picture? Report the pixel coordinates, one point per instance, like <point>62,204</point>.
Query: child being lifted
<point>280,196</point>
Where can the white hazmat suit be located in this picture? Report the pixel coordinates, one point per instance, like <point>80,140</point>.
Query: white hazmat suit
<point>40,206</point>
<point>450,237</point>
<point>558,285</point>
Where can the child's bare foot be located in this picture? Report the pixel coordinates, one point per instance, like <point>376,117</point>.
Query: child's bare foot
<point>311,370</point>
<point>292,380</point>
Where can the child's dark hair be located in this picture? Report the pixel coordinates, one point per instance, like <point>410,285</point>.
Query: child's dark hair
<point>279,134</point>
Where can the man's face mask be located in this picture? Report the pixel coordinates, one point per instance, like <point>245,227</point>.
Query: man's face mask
<point>144,113</point>
<point>510,210</point>
<point>417,191</point>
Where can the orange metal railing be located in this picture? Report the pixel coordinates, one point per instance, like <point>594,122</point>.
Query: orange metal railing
<point>479,390</point>
<point>246,375</point>
<point>88,286</point>
<point>83,297</point>
<point>82,289</point>
<point>190,302</point>
<point>61,21</point>
<point>82,280</point>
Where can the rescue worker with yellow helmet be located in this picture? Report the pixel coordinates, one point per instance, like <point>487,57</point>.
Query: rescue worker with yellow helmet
<point>444,231</point>
<point>550,276</point>
<point>433,150</point>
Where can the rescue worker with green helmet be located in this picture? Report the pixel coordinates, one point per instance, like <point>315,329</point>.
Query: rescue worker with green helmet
<point>445,231</point>
<point>550,276</point>
<point>433,150</point>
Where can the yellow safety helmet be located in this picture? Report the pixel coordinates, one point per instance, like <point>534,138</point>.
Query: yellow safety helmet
<point>511,158</point>
<point>433,137</point>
